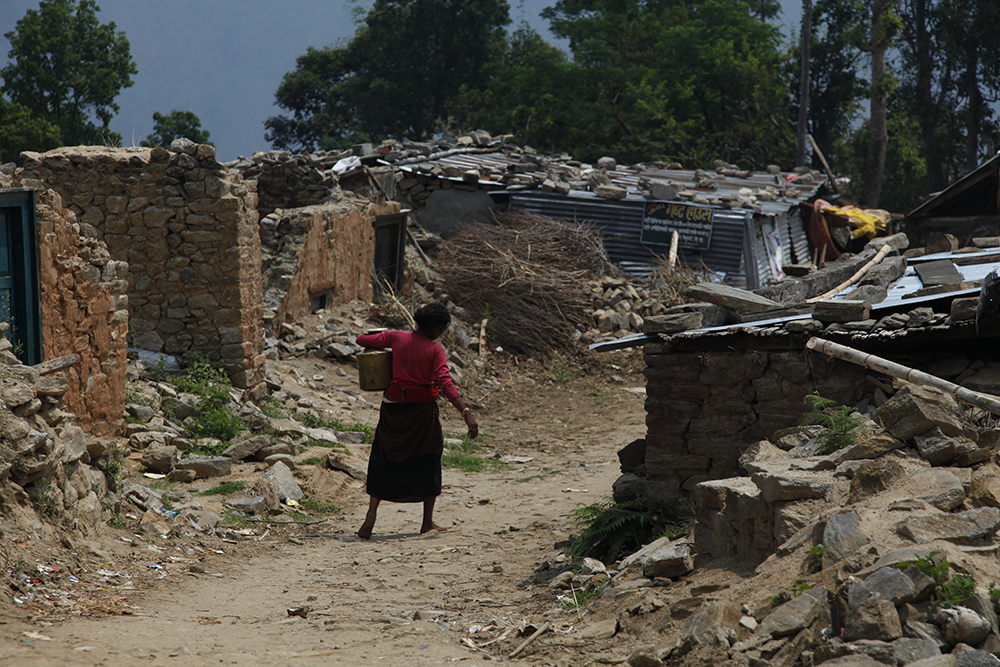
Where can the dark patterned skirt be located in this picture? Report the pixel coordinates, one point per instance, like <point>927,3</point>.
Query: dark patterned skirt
<point>405,462</point>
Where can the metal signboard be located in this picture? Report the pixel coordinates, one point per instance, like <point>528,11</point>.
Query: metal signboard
<point>693,224</point>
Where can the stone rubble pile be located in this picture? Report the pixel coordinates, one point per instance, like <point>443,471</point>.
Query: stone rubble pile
<point>919,462</point>
<point>43,453</point>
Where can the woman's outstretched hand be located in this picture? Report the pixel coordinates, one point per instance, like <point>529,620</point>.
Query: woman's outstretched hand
<point>473,425</point>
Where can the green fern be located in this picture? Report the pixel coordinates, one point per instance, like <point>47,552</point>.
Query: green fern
<point>841,426</point>
<point>613,530</point>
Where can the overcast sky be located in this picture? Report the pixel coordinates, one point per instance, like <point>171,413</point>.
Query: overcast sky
<point>224,59</point>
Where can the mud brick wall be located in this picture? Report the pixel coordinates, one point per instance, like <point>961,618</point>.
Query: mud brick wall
<point>83,305</point>
<point>188,229</point>
<point>705,406</point>
<point>328,248</point>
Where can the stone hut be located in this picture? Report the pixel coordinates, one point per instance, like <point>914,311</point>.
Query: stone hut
<point>187,230</point>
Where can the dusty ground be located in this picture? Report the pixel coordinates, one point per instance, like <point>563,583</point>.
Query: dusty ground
<point>402,598</point>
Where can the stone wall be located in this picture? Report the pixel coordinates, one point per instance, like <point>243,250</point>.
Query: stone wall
<point>188,229</point>
<point>319,249</point>
<point>290,181</point>
<point>83,305</point>
<point>704,407</point>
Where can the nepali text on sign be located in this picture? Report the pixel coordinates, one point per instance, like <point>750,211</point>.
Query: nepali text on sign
<point>693,225</point>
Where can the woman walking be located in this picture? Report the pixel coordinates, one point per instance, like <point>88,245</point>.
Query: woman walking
<point>405,461</point>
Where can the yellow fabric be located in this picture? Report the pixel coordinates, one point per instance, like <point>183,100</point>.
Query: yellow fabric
<point>864,222</point>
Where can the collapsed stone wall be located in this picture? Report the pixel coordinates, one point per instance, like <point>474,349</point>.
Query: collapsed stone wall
<point>187,228</point>
<point>705,407</point>
<point>83,305</point>
<point>290,181</point>
<point>326,249</point>
<point>84,309</point>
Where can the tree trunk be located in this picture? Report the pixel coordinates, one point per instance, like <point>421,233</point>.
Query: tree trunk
<point>800,158</point>
<point>975,106</point>
<point>871,186</point>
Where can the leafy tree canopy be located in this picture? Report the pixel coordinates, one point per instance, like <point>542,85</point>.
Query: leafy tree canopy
<point>20,130</point>
<point>402,71</point>
<point>177,125</point>
<point>66,69</point>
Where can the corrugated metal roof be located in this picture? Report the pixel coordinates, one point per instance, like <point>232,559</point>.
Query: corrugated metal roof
<point>629,178</point>
<point>620,219</point>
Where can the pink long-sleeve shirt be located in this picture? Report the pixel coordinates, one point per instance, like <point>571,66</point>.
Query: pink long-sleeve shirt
<point>417,362</point>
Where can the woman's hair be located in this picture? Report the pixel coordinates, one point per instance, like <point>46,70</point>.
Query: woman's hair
<point>432,316</point>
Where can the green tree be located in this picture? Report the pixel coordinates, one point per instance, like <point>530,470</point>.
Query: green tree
<point>177,125</point>
<point>401,72</point>
<point>684,80</point>
<point>19,131</point>
<point>66,68</point>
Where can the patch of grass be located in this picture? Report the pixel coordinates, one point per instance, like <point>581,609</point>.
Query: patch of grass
<point>313,461</point>
<point>458,460</point>
<point>561,373</point>
<point>995,596</point>
<point>312,420</point>
<point>612,530</point>
<point>233,518</point>
<point>129,419</point>
<point>223,489</point>
<point>841,427</point>
<point>212,417</point>
<point>118,521</point>
<point>577,599</point>
<point>273,408</point>
<point>163,485</point>
<point>210,448</point>
<point>315,506</point>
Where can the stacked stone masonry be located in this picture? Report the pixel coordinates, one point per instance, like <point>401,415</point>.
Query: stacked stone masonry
<point>84,311</point>
<point>705,407</point>
<point>188,230</point>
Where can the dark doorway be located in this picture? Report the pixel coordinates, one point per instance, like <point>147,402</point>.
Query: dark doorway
<point>19,292</point>
<point>390,248</point>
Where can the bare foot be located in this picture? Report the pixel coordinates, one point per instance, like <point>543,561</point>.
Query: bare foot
<point>433,526</point>
<point>365,531</point>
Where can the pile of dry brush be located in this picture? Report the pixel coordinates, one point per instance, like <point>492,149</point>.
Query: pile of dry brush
<point>527,275</point>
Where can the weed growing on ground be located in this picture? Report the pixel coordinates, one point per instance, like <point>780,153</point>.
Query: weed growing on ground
<point>841,427</point>
<point>312,420</point>
<point>273,408</point>
<point>212,417</point>
<point>313,460</point>
<point>224,489</point>
<point>312,505</point>
<point>995,596</point>
<point>815,561</point>
<point>45,503</point>
<point>561,373</point>
<point>950,589</point>
<point>112,464</point>
<point>577,599</point>
<point>611,530</point>
<point>458,460</point>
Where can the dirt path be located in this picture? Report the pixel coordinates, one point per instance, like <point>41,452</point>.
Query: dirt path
<point>401,598</point>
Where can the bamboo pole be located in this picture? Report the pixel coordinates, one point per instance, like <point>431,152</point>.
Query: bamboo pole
<point>822,159</point>
<point>672,256</point>
<point>879,256</point>
<point>984,401</point>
